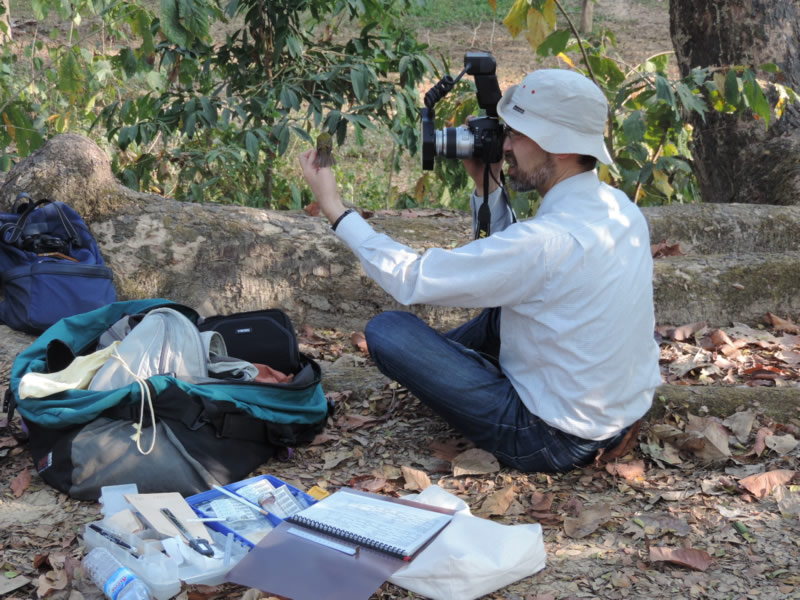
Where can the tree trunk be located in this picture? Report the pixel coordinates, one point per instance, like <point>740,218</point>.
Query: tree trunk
<point>587,14</point>
<point>736,159</point>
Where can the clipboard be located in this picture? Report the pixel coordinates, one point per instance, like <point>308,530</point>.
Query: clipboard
<point>292,565</point>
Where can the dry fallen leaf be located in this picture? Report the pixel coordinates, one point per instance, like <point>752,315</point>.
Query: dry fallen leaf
<point>371,484</point>
<point>781,444</point>
<point>720,338</point>
<point>760,444</point>
<point>354,421</point>
<point>710,439</point>
<point>542,502</point>
<point>9,585</point>
<point>699,560</point>
<point>588,521</point>
<point>498,502</point>
<point>664,249</point>
<point>656,525</point>
<point>762,484</point>
<point>740,423</point>
<point>415,479</point>
<point>50,582</point>
<point>781,324</point>
<point>475,462</point>
<point>20,483</point>
<point>627,471</point>
<point>312,209</point>
<point>449,449</point>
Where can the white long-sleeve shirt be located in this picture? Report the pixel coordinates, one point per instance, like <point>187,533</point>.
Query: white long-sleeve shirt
<point>575,287</point>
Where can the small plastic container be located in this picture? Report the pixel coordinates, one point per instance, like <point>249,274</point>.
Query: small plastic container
<point>201,505</point>
<point>163,573</point>
<point>112,498</point>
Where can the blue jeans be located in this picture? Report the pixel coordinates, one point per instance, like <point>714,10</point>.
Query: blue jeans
<point>456,374</point>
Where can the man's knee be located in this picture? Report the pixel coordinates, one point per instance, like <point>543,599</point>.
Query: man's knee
<point>392,333</point>
<point>382,329</point>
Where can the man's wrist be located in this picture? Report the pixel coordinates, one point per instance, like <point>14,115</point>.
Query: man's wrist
<point>340,217</point>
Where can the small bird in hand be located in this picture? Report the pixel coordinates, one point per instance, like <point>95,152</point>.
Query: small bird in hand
<point>324,157</point>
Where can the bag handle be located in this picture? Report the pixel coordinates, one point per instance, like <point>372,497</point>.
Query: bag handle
<point>18,229</point>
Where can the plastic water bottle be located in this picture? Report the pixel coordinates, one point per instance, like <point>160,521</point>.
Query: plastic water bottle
<point>117,581</point>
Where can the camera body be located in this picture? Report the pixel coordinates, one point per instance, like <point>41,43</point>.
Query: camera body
<point>482,138</point>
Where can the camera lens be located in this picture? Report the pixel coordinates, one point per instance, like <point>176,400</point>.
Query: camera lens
<point>455,142</point>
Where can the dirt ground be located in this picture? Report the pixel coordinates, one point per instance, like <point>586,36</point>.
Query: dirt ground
<point>641,29</point>
<point>670,520</point>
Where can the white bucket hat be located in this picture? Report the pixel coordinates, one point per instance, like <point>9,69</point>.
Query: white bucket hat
<point>562,111</point>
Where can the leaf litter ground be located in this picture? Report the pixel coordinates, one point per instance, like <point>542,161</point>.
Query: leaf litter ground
<point>701,508</point>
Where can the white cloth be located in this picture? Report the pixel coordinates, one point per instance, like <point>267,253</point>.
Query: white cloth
<point>76,376</point>
<point>471,557</point>
<point>576,291</point>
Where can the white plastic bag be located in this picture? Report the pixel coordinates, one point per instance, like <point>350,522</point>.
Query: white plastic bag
<point>472,556</point>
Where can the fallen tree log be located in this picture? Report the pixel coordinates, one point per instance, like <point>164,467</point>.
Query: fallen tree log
<point>741,261</point>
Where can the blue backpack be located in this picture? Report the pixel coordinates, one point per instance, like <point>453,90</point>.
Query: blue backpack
<point>206,433</point>
<point>50,266</point>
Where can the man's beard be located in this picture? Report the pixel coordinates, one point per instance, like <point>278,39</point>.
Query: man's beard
<point>535,179</point>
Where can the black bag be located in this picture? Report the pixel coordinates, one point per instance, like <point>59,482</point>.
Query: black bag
<point>259,336</point>
<point>209,433</point>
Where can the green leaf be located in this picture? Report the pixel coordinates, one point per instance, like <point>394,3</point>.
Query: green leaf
<point>251,144</point>
<point>70,74</point>
<point>295,46</point>
<point>690,100</point>
<point>664,91</point>
<point>126,136</point>
<point>732,88</point>
<point>283,138</point>
<point>189,124</point>
<point>297,197</point>
<point>755,97</point>
<point>635,126</point>
<point>40,9</point>
<point>194,17</point>
<point>358,80</point>
<point>129,62</point>
<point>171,23</point>
<point>555,43</point>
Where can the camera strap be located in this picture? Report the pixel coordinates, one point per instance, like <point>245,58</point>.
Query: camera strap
<point>484,212</point>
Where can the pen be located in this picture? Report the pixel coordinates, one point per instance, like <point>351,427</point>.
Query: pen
<point>118,541</point>
<point>208,519</point>
<point>244,501</point>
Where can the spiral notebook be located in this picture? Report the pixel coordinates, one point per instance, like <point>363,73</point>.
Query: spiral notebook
<point>373,522</point>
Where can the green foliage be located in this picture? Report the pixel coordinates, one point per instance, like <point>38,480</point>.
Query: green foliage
<point>649,113</point>
<point>211,121</point>
<point>205,119</point>
<point>282,75</point>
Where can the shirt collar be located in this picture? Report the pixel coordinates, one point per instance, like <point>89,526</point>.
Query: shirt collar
<point>571,186</point>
